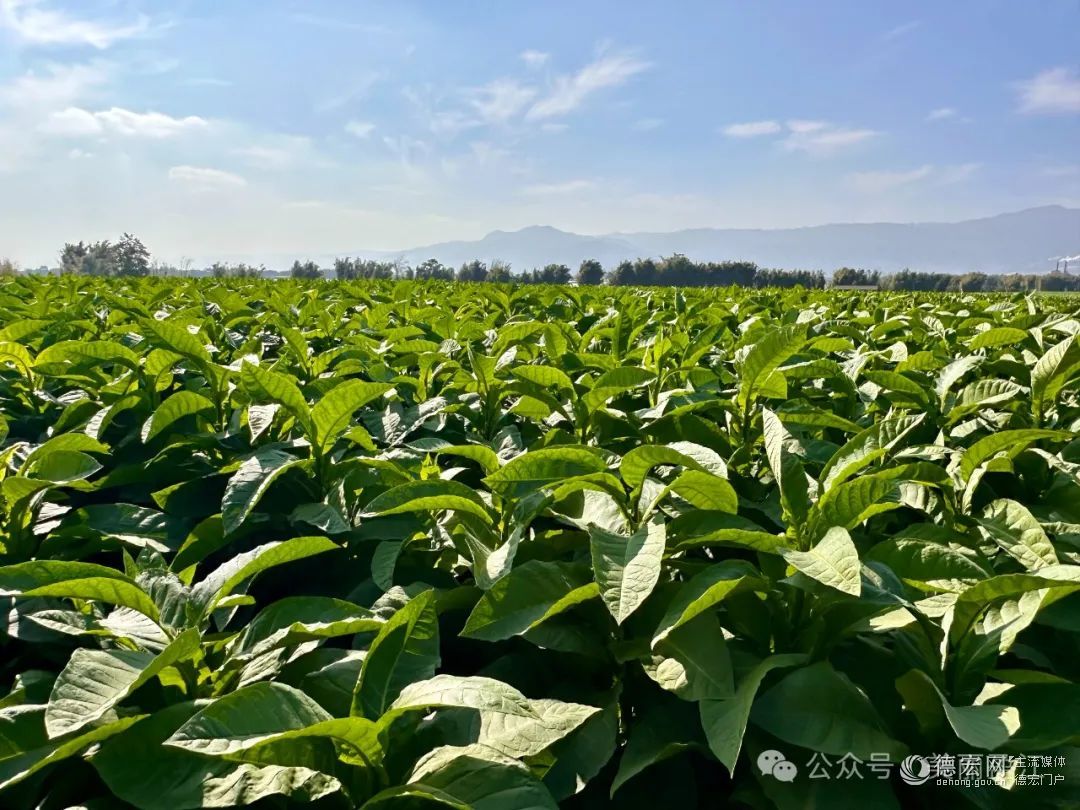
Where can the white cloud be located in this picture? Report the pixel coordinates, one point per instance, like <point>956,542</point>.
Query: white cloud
<point>361,129</point>
<point>35,22</point>
<point>501,100</point>
<point>647,124</point>
<point>534,59</point>
<point>802,125</point>
<point>276,152</point>
<point>901,30</point>
<point>570,91</point>
<point>879,182</point>
<point>197,178</point>
<point>58,85</point>
<point>957,174</point>
<point>826,140</point>
<point>1056,90</point>
<point>751,129</point>
<point>72,122</point>
<point>941,113</point>
<point>569,187</point>
<point>77,122</point>
<point>552,126</point>
<point>1061,171</point>
<point>205,81</point>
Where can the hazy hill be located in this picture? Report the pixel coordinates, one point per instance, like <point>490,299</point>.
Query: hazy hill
<point>1016,242</point>
<point>1022,241</point>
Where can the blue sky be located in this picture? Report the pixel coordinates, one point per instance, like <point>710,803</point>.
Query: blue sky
<point>212,128</point>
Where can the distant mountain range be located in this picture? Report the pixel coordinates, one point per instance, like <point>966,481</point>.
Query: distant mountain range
<point>1024,241</point>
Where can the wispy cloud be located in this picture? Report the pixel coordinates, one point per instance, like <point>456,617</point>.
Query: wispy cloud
<point>901,30</point>
<point>56,86</point>
<point>827,139</point>
<point>360,129</point>
<point>941,114</point>
<point>337,23</point>
<point>501,100</point>
<point>751,129</point>
<point>280,151</point>
<point>802,125</point>
<point>1061,171</point>
<point>205,81</point>
<point>1056,90</point>
<point>198,178</point>
<point>535,59</point>
<point>647,124</point>
<point>36,23</point>
<point>77,122</point>
<point>879,182</point>
<point>546,189</point>
<point>876,182</point>
<point>570,91</point>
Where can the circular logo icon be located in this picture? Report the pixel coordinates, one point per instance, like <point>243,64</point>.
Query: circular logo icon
<point>915,770</point>
<point>767,760</point>
<point>785,771</point>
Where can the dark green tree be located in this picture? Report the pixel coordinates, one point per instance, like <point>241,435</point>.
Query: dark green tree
<point>590,272</point>
<point>131,257</point>
<point>306,269</point>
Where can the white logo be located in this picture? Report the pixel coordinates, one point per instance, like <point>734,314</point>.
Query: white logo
<point>776,765</point>
<point>915,769</point>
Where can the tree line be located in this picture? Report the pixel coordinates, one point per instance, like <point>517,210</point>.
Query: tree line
<point>128,256</point>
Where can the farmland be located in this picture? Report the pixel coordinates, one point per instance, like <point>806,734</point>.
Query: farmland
<point>382,544</point>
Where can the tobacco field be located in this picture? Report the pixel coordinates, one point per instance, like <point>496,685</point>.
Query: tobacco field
<point>422,544</point>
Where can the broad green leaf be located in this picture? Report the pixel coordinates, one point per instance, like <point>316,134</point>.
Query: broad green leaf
<point>525,597</point>
<point>249,483</point>
<point>331,414</point>
<point>405,651</point>
<point>767,355</point>
<point>223,580</point>
<point>175,407</point>
<point>998,336</point>
<point>705,528</point>
<point>95,681</point>
<point>706,491</point>
<point>83,353</point>
<point>471,777</point>
<point>16,768</point>
<point>532,470</point>
<point>786,469</point>
<point>245,718</point>
<point>1011,442</point>
<point>725,721</point>
<point>267,386</point>
<point>428,496</point>
<point>704,591</point>
<point>177,339</point>
<point>626,568</point>
<point>866,447</point>
<point>485,695</point>
<point>819,709</point>
<point>640,461</point>
<point>487,458</point>
<point>64,466</point>
<point>985,727</point>
<point>519,736</point>
<point>1051,372</point>
<point>1015,529</point>
<point>139,769</point>
<point>692,660</point>
<point>295,619</point>
<point>614,382</point>
<point>833,561</point>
